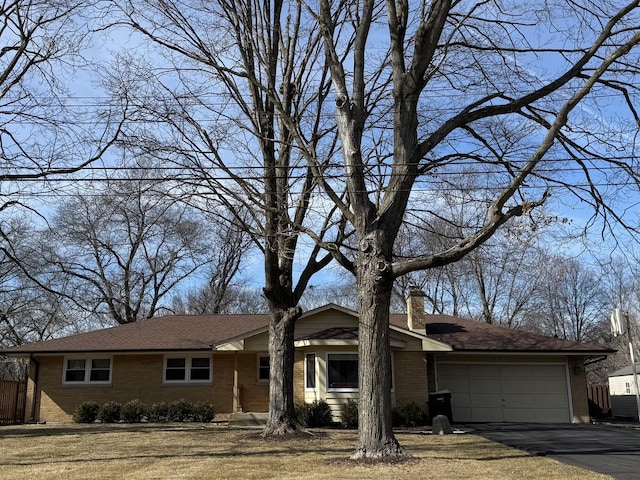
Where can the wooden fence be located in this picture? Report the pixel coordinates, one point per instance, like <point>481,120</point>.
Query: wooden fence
<point>599,400</point>
<point>13,398</point>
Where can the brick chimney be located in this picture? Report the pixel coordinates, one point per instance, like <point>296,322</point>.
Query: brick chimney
<point>416,318</point>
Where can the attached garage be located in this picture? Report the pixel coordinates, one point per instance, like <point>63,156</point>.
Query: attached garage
<point>511,392</point>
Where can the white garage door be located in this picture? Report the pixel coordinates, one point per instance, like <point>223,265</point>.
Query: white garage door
<point>506,393</point>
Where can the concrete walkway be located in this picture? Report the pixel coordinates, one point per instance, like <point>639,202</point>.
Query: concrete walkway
<point>605,448</point>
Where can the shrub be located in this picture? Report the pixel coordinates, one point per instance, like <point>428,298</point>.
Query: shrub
<point>350,414</point>
<point>302,410</point>
<point>86,412</point>
<point>315,414</point>
<point>409,415</point>
<point>134,411</point>
<point>159,412</point>
<point>179,411</point>
<point>202,412</point>
<point>110,412</point>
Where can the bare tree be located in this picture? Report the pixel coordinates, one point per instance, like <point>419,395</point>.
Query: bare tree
<point>464,74</point>
<point>28,312</point>
<point>208,301</point>
<point>507,278</point>
<point>572,304</point>
<point>126,247</point>
<point>240,107</point>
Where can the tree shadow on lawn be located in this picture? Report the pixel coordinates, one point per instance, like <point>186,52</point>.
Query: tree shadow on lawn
<point>286,451</point>
<point>42,430</point>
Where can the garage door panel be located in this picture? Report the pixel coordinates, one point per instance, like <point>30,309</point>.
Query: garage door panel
<point>551,415</point>
<point>485,385</point>
<point>550,385</point>
<point>549,400</point>
<point>455,384</point>
<point>515,371</point>
<point>518,385</point>
<point>514,400</point>
<point>479,371</point>
<point>453,370</point>
<point>485,399</point>
<point>549,371</point>
<point>485,414</point>
<point>461,400</point>
<point>463,414</point>
<point>519,415</point>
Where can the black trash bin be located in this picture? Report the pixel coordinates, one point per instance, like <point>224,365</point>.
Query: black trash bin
<point>440,404</point>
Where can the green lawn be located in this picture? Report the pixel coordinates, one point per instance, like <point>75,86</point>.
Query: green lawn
<point>197,451</point>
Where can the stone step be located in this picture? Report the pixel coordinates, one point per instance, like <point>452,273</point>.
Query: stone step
<point>248,419</point>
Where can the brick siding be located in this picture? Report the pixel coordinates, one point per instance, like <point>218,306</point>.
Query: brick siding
<point>140,377</point>
<point>410,377</point>
<point>579,394</point>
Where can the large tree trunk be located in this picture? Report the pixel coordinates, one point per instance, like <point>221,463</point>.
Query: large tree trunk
<point>374,281</point>
<point>282,417</point>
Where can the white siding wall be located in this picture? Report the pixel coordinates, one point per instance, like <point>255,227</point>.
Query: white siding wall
<point>618,385</point>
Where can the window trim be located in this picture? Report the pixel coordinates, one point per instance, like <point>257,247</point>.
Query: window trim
<point>258,368</point>
<point>315,371</point>
<point>88,359</point>
<point>187,367</point>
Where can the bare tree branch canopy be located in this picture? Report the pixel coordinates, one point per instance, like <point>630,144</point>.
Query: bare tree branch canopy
<point>42,132</point>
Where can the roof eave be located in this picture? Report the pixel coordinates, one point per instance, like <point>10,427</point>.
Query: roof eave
<point>480,351</point>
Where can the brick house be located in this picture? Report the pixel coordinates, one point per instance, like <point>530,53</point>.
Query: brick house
<point>493,373</point>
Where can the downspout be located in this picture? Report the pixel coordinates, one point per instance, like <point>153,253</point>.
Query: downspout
<point>36,374</point>
<point>236,407</point>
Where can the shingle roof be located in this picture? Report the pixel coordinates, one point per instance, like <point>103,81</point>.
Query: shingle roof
<point>469,335</point>
<point>623,372</point>
<point>335,333</point>
<point>172,332</point>
<point>200,332</point>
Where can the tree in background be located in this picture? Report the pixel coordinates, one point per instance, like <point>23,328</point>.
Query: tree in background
<point>126,247</point>
<point>206,300</point>
<point>29,312</point>
<point>572,303</point>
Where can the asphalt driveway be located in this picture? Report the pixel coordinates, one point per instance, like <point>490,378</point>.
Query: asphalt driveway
<point>605,448</point>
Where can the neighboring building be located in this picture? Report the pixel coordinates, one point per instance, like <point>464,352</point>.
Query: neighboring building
<point>493,374</point>
<point>622,391</point>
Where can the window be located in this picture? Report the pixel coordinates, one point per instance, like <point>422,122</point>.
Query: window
<point>187,369</point>
<point>627,388</point>
<point>310,372</point>
<point>342,370</point>
<point>263,368</point>
<point>87,370</point>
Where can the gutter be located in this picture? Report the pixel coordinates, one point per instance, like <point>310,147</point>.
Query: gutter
<point>592,360</point>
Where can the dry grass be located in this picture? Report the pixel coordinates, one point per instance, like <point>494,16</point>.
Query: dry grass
<point>194,451</point>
